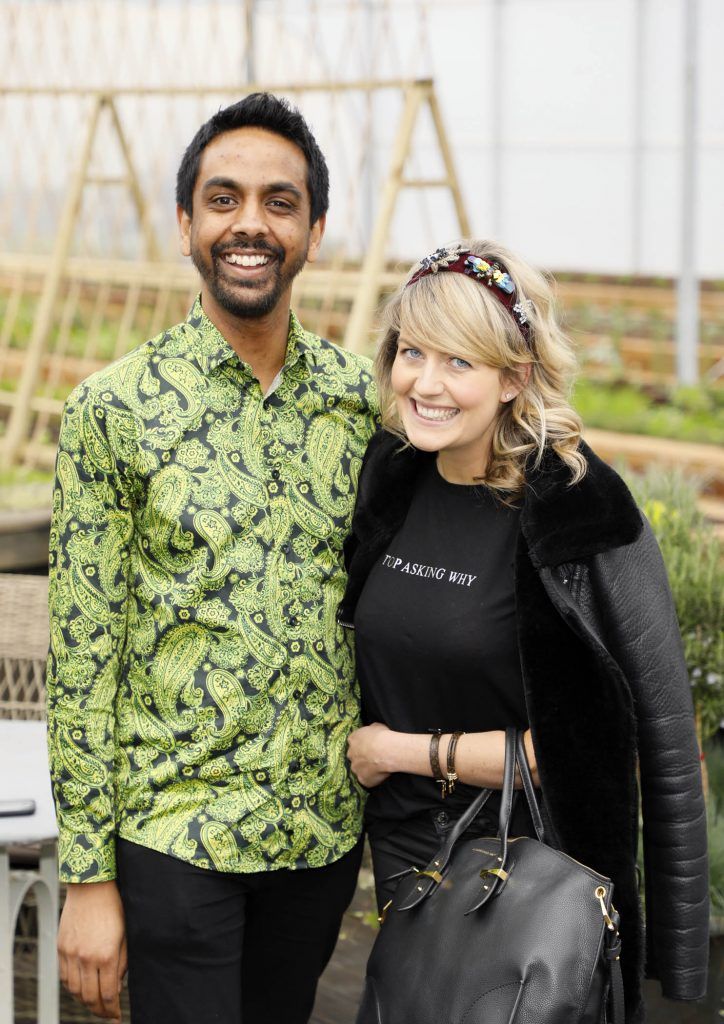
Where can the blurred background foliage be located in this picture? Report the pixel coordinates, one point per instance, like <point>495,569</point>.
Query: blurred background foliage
<point>684,413</point>
<point>694,557</point>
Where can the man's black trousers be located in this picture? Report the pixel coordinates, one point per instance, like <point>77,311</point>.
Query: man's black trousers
<point>206,947</point>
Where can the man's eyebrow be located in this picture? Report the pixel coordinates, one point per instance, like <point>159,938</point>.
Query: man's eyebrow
<point>284,186</point>
<point>220,181</point>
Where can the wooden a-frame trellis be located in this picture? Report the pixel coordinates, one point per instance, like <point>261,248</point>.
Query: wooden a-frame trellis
<point>21,411</point>
<point>416,95</point>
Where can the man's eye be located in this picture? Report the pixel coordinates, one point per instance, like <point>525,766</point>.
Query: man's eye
<point>223,200</point>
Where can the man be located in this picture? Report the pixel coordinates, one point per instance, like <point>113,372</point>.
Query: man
<point>200,691</point>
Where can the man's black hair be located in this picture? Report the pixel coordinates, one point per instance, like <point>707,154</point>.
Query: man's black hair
<point>258,110</point>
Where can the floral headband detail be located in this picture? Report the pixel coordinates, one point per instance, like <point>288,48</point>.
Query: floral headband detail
<point>460,261</point>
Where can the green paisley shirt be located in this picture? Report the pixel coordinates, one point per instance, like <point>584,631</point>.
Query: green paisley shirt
<point>200,690</point>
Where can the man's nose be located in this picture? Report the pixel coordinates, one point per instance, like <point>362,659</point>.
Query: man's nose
<point>249,219</point>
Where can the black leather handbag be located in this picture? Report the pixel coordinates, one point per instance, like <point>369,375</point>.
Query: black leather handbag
<point>497,931</point>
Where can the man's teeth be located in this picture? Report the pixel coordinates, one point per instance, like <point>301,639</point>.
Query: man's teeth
<point>246,261</point>
<point>430,413</point>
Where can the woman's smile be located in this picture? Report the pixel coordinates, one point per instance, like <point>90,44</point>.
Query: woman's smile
<point>433,413</point>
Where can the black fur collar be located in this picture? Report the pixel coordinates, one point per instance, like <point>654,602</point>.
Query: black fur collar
<point>560,523</point>
<point>563,523</point>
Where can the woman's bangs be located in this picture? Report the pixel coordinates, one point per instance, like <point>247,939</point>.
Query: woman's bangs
<point>446,314</point>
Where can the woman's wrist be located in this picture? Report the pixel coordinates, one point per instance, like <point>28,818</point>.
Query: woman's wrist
<point>478,758</point>
<point>390,754</point>
<point>530,754</point>
<point>409,752</point>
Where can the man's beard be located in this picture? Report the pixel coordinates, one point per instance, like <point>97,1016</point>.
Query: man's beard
<point>241,298</point>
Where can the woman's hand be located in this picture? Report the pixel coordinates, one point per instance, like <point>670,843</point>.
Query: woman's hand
<point>367,750</point>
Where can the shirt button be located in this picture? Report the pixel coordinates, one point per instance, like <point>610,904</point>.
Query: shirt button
<point>298,694</point>
<point>294,765</point>
<point>285,548</point>
<point>442,818</point>
<point>275,473</point>
<point>293,620</point>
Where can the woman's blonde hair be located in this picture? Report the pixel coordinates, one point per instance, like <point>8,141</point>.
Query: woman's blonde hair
<point>452,312</point>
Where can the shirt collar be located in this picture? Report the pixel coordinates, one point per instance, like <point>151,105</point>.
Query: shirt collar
<point>209,348</point>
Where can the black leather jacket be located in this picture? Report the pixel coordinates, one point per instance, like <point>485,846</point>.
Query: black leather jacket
<point>607,693</point>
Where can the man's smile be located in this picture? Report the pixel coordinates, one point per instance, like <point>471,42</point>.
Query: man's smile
<point>246,260</point>
<point>246,265</point>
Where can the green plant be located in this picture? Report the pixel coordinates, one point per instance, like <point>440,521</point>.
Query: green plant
<point>22,488</point>
<point>687,414</point>
<point>715,767</point>
<point>714,751</point>
<point>694,558</point>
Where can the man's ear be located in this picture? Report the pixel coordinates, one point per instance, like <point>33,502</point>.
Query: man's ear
<point>315,238</point>
<point>184,230</point>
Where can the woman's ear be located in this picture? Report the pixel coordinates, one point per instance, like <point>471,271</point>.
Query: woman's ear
<point>514,381</point>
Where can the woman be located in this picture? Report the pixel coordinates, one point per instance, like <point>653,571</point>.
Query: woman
<point>500,574</point>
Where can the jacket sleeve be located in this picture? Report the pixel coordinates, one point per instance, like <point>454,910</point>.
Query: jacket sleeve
<point>357,562</point>
<point>638,618</point>
<point>89,546</point>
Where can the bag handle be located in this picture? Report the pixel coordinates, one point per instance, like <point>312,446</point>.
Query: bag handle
<point>529,788</point>
<point>498,875</point>
<point>431,876</point>
<point>515,755</point>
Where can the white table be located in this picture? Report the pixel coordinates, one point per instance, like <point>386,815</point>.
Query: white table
<point>24,774</point>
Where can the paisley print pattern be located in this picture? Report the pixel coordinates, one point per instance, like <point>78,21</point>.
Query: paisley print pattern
<point>200,690</point>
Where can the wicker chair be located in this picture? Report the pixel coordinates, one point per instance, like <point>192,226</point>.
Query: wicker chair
<point>23,645</point>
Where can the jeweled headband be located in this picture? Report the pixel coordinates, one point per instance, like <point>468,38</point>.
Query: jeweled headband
<point>460,261</point>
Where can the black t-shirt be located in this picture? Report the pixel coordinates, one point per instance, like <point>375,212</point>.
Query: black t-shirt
<point>436,633</point>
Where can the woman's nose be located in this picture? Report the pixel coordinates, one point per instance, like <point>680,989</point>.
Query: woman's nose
<point>429,380</point>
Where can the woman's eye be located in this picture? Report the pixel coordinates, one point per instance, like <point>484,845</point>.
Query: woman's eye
<point>459,363</point>
<point>410,353</point>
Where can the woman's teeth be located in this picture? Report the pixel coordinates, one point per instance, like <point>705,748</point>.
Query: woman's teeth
<point>246,261</point>
<point>429,412</point>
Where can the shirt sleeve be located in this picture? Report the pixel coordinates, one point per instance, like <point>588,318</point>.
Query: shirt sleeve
<point>90,537</point>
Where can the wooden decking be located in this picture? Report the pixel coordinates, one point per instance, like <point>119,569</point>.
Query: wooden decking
<point>340,987</point>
